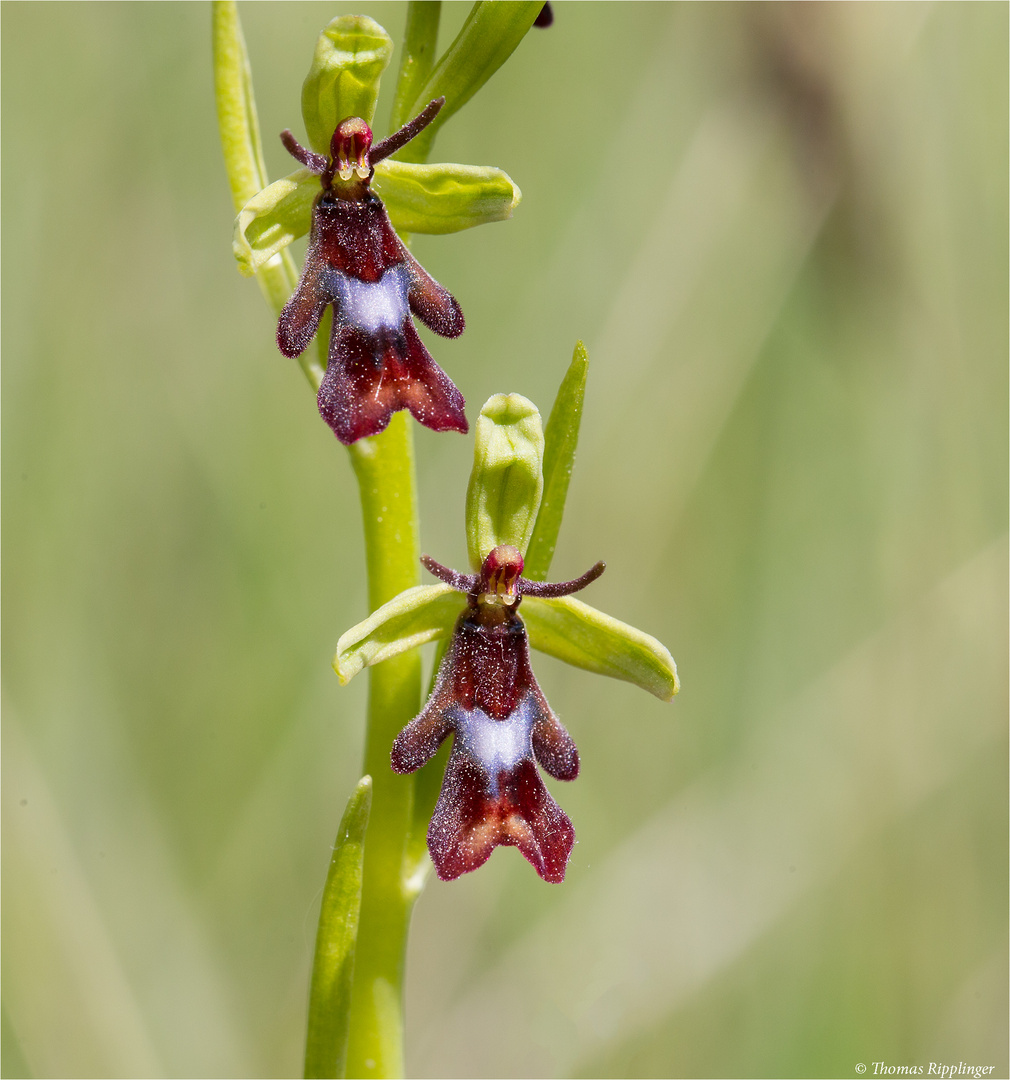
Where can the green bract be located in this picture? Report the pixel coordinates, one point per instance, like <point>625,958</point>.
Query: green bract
<point>502,503</point>
<point>561,436</point>
<point>507,480</point>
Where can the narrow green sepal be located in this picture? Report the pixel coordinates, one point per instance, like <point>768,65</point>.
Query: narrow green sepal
<point>333,966</point>
<point>488,38</point>
<point>561,437</point>
<point>580,635</point>
<point>351,54</point>
<point>506,483</point>
<point>272,218</point>
<point>444,198</point>
<point>413,618</point>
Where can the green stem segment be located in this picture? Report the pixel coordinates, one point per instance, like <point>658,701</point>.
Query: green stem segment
<point>384,466</point>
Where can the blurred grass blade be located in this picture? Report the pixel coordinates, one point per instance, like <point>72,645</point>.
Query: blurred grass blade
<point>333,967</point>
<point>415,617</point>
<point>420,40</point>
<point>578,634</point>
<point>444,198</point>
<point>351,54</point>
<point>561,437</point>
<point>488,38</point>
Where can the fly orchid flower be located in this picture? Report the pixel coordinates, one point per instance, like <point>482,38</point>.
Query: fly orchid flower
<point>485,693</point>
<point>355,261</point>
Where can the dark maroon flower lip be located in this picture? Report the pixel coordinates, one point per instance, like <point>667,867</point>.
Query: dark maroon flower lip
<point>488,698</point>
<point>356,264</point>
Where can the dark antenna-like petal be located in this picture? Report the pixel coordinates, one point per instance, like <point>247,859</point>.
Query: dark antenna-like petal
<point>465,583</point>
<point>550,590</point>
<point>316,162</point>
<point>411,129</point>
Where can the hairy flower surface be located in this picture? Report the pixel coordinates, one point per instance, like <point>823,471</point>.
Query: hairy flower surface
<point>487,695</point>
<point>357,264</point>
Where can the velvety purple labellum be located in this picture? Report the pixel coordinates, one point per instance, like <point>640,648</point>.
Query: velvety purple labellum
<point>487,696</point>
<point>357,264</point>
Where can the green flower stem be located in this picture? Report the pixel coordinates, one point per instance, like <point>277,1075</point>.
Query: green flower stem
<point>384,465</point>
<point>420,39</point>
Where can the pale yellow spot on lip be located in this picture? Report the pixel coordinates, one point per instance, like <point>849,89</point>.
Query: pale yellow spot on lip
<point>481,837</point>
<point>519,829</point>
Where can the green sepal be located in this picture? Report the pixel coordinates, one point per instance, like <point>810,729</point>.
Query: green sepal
<point>419,199</point>
<point>580,635</point>
<point>561,437</point>
<point>444,198</point>
<point>507,481</point>
<point>488,38</point>
<point>271,219</point>
<point>413,618</point>
<point>333,967</point>
<point>351,54</point>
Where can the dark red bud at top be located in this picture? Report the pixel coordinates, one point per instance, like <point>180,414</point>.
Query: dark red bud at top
<point>499,575</point>
<point>349,149</point>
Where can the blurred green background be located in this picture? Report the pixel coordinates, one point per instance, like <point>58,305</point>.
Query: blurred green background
<point>781,231</point>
